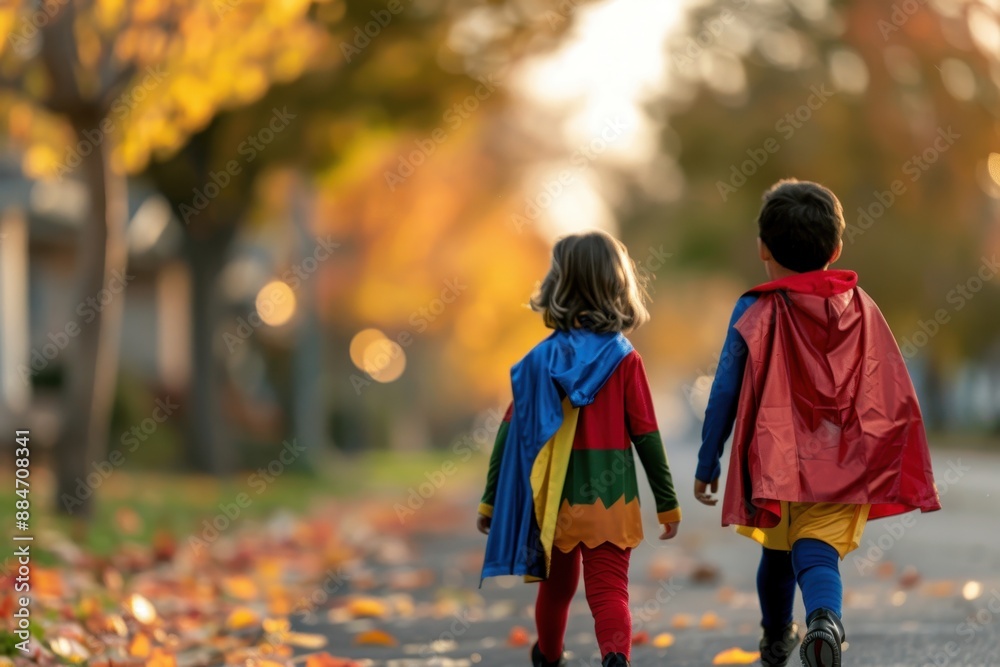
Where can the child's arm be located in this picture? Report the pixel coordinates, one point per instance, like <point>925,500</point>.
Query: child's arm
<point>489,495</point>
<point>646,437</point>
<point>723,400</point>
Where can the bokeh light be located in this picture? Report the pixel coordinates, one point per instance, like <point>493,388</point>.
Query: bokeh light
<point>360,343</point>
<point>384,360</point>
<point>275,303</point>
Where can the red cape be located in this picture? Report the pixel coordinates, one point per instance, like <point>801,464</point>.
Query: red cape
<point>827,410</point>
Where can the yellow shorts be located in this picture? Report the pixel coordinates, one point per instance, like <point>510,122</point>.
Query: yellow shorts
<point>841,526</point>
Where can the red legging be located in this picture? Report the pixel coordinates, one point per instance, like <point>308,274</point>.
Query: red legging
<point>605,580</point>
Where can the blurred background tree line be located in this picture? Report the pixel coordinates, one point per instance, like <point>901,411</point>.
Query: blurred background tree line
<point>229,223</point>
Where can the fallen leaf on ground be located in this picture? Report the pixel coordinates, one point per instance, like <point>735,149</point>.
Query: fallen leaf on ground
<point>326,660</point>
<point>736,656</point>
<point>710,621</point>
<point>681,621</point>
<point>304,640</point>
<point>160,658</point>
<point>518,636</point>
<point>640,638</point>
<point>663,640</point>
<point>375,638</point>
<point>242,617</point>
<point>367,608</point>
<point>241,588</point>
<point>909,577</point>
<point>140,646</point>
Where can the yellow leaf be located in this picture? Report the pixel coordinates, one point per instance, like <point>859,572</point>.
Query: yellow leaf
<point>140,646</point>
<point>736,656</point>
<point>241,588</point>
<point>663,640</point>
<point>142,609</point>
<point>367,608</point>
<point>242,617</point>
<point>375,638</point>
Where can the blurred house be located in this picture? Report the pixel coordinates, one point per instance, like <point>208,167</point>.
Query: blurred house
<point>39,311</point>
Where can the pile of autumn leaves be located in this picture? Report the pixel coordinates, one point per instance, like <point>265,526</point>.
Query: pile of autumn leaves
<point>168,605</point>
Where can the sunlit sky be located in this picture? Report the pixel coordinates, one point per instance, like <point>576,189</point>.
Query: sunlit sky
<point>612,62</point>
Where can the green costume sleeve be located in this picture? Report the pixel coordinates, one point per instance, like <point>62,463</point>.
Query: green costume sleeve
<point>489,495</point>
<point>654,461</point>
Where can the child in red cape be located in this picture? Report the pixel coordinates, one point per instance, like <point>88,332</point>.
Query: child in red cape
<point>561,488</point>
<point>828,432</point>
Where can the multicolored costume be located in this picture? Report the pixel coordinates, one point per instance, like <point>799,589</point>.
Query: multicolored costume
<point>562,485</point>
<point>828,431</point>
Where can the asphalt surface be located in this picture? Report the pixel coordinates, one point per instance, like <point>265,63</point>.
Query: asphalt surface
<point>923,590</point>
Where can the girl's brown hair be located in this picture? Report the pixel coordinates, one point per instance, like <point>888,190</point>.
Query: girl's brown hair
<point>592,284</point>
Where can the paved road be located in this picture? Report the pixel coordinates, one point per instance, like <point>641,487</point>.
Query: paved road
<point>906,602</point>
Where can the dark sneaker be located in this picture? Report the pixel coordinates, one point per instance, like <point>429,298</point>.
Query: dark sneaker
<point>615,660</point>
<point>775,651</point>
<point>538,660</point>
<point>824,638</point>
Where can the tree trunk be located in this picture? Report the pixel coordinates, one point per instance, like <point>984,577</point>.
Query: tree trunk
<point>209,445</point>
<point>92,356</point>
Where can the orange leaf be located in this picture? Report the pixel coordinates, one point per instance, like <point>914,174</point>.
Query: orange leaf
<point>240,587</point>
<point>710,621</point>
<point>326,660</point>
<point>242,617</point>
<point>367,608</point>
<point>375,638</point>
<point>663,640</point>
<point>140,646</point>
<point>518,636</point>
<point>640,638</point>
<point>681,621</point>
<point>160,658</point>
<point>736,656</point>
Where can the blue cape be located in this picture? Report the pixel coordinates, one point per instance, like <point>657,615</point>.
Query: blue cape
<point>573,364</point>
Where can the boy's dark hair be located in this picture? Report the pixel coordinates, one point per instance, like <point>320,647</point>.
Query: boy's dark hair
<point>592,284</point>
<point>801,223</point>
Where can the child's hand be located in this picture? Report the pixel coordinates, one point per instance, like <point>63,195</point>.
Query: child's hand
<point>670,530</point>
<point>483,524</point>
<point>701,492</point>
